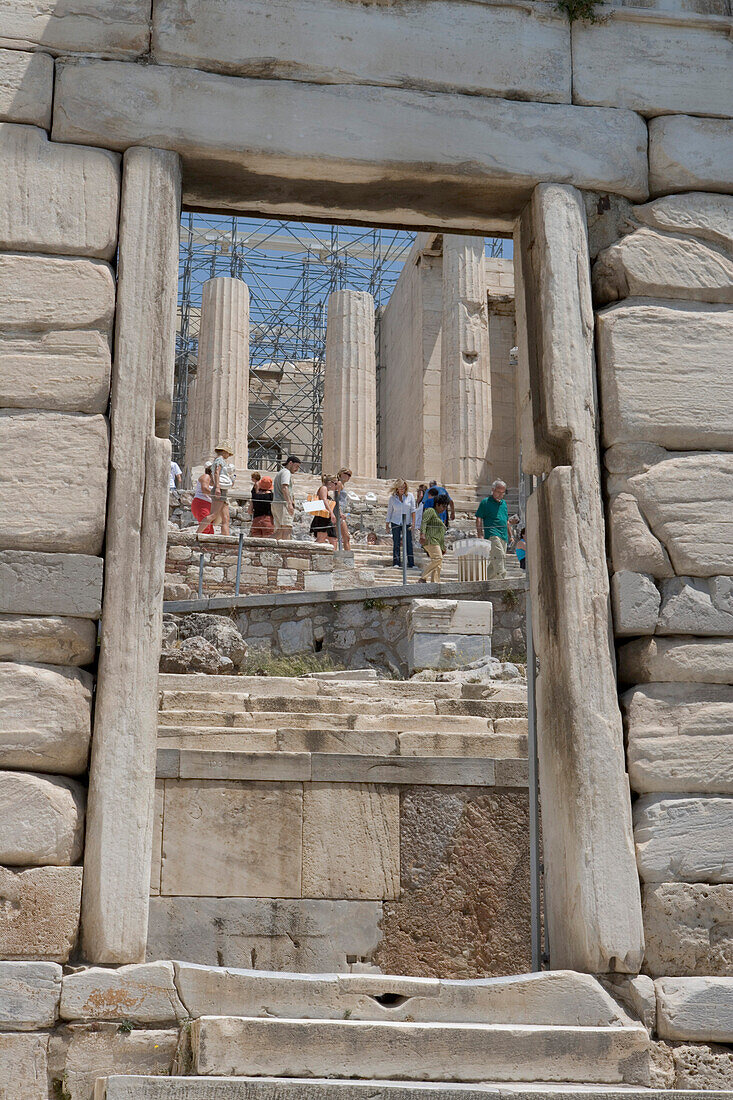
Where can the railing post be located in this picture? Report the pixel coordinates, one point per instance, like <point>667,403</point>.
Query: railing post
<point>404,548</point>
<point>535,864</point>
<point>201,576</point>
<point>337,514</point>
<point>239,563</point>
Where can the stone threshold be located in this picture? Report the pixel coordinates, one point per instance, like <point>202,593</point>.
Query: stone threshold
<point>392,593</point>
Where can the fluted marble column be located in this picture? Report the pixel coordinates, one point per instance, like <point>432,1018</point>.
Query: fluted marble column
<point>218,402</point>
<point>465,389</point>
<point>350,385</point>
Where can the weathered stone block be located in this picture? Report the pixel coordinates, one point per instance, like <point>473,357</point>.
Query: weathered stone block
<point>48,640</point>
<point>295,637</point>
<point>451,616</point>
<point>701,1066</point>
<point>351,841</point>
<point>53,736</point>
<point>446,651</point>
<point>324,42</point>
<point>653,67</point>
<point>29,995</point>
<point>679,738</point>
<point>43,820</point>
<point>691,605</point>
<point>226,839</point>
<point>63,371</point>
<point>690,154</point>
<point>55,292</point>
<point>649,264</point>
<point>683,839</point>
<point>115,28</point>
<point>82,1054</point>
<point>688,928</point>
<point>144,994</point>
<point>24,1067</point>
<point>26,87</point>
<point>39,917</point>
<point>61,199</point>
<point>695,1008</point>
<point>666,660</point>
<point>116,104</point>
<point>635,599</point>
<point>645,396</point>
<point>64,483</point>
<point>50,584</point>
<point>299,935</point>
<point>702,215</point>
<point>633,546</point>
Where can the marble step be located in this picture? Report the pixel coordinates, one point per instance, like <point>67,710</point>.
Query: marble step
<point>449,1052</point>
<point>302,686</point>
<point>272,1088</point>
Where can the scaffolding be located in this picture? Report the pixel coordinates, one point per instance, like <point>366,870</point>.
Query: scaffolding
<point>290,269</point>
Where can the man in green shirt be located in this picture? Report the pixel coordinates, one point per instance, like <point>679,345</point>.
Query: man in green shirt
<point>493,514</point>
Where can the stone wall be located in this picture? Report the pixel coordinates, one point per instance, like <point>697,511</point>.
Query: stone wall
<point>664,332</point>
<point>266,566</point>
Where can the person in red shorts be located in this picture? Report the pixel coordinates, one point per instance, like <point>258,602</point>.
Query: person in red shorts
<point>201,503</point>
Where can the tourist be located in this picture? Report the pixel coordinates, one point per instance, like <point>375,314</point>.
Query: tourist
<point>201,503</point>
<point>283,501</point>
<point>344,475</point>
<point>433,492</point>
<point>420,504</point>
<point>521,549</point>
<point>223,475</point>
<point>493,514</point>
<point>432,538</point>
<point>260,508</point>
<point>323,526</point>
<point>255,478</point>
<point>401,503</point>
<point>176,477</point>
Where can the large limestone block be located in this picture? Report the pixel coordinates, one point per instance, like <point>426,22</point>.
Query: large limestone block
<point>653,66</point>
<point>703,215</point>
<point>63,371</point>
<point>526,54</point>
<point>46,717</point>
<point>635,600</point>
<point>34,583</point>
<point>29,995</point>
<point>690,154</point>
<point>43,820</point>
<point>689,660</point>
<point>351,841</point>
<point>684,839</point>
<point>48,640</point>
<point>64,486</point>
<point>26,87</point>
<point>695,1008</point>
<point>24,1067</point>
<point>115,28</point>
<point>680,738</point>
<point>646,397</point>
<point>144,993</point>
<point>278,934</point>
<point>678,495</point>
<point>61,199</point>
<point>81,1054</point>
<point>423,1052</point>
<point>633,547</point>
<point>39,918</point>
<point>451,616</point>
<point>55,292</point>
<point>692,605</point>
<point>649,264</point>
<point>229,130</point>
<point>688,928</point>
<point>228,839</point>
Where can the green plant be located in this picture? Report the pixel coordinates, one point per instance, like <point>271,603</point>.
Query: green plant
<point>374,605</point>
<point>583,10</point>
<point>510,599</point>
<point>125,1027</point>
<point>266,664</point>
<point>60,1090</point>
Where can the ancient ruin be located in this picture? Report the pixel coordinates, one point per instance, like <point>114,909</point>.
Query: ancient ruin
<point>234,880</point>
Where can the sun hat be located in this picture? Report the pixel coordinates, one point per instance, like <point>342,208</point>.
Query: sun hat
<point>225,445</point>
<point>265,484</point>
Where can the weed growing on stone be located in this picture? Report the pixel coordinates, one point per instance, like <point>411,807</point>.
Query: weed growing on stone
<point>582,10</point>
<point>298,665</point>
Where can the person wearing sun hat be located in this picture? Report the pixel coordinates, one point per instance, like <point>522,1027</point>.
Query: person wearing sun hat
<point>260,509</point>
<point>223,475</point>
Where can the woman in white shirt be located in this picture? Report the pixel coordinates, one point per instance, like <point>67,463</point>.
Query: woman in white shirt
<point>401,503</point>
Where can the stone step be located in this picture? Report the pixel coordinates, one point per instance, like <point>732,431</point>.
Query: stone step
<point>216,720</point>
<point>279,1088</point>
<point>454,1052</point>
<point>302,686</point>
<point>258,719</point>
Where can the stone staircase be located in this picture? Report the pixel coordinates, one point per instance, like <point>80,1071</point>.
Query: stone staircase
<point>258,1035</point>
<point>376,561</point>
